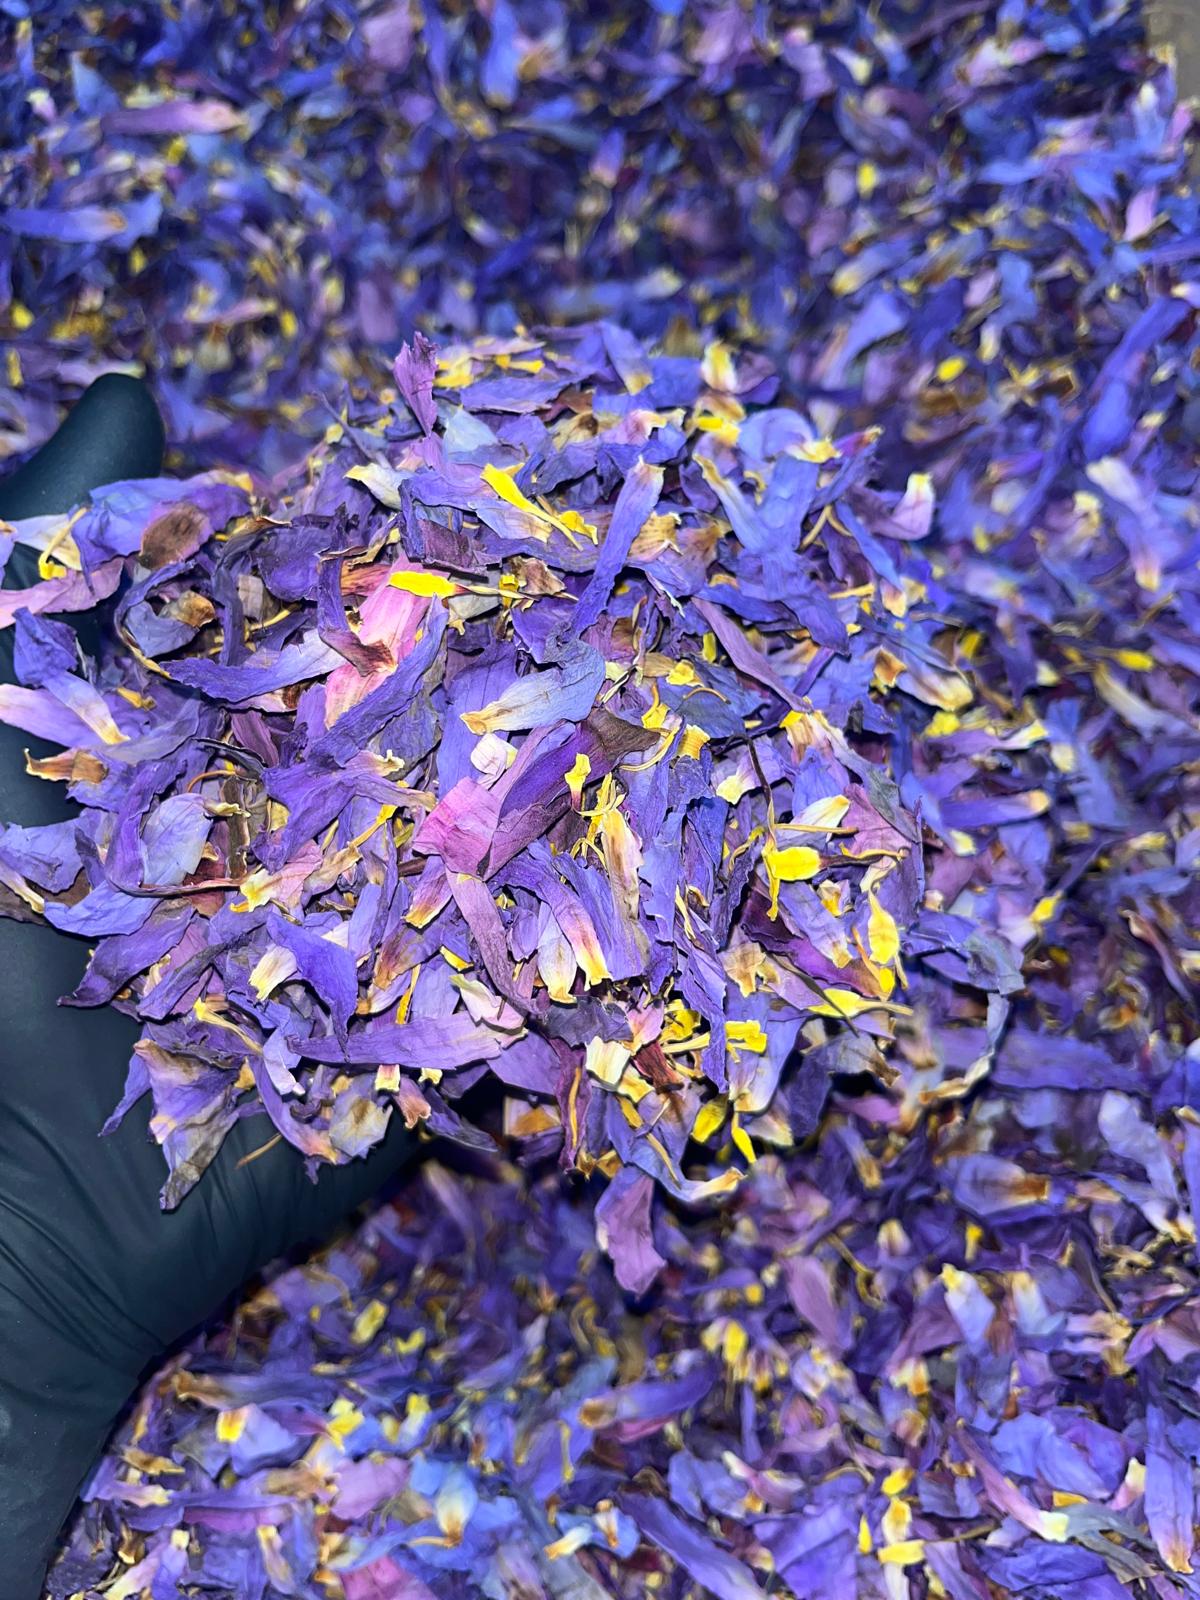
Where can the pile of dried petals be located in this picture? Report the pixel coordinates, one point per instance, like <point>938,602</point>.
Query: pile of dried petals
<point>511,742</point>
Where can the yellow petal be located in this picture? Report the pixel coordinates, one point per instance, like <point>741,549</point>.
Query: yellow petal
<point>883,936</point>
<point>821,816</point>
<point>576,778</point>
<point>344,1418</point>
<point>275,966</point>
<point>907,1553</point>
<point>693,741</point>
<point>710,1118</point>
<point>230,1424</point>
<point>717,368</point>
<point>897,1522</point>
<point>499,481</point>
<point>792,863</point>
<point>430,584</point>
<point>845,1003</point>
<point>368,1322</point>
<point>746,1036</point>
<point>606,1059</point>
<point>742,1140</point>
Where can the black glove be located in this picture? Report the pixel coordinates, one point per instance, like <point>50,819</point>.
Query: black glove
<point>95,1281</point>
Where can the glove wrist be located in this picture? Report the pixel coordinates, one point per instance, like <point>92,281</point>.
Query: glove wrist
<point>57,1407</point>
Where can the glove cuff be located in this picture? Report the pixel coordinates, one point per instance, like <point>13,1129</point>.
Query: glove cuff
<point>51,1431</point>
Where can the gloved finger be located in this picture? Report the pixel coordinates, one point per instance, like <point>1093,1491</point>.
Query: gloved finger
<point>269,1181</point>
<point>113,432</point>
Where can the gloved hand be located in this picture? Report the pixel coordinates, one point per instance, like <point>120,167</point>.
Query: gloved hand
<point>96,1283</point>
